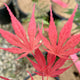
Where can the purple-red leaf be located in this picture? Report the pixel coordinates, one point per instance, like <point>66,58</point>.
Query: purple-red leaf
<point>50,58</point>
<point>36,66</point>
<point>47,69</point>
<point>40,58</point>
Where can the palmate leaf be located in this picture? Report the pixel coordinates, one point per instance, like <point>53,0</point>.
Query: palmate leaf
<point>62,48</point>
<point>19,39</point>
<point>51,68</point>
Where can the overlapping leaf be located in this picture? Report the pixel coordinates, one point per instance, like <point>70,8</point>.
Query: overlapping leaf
<point>61,49</point>
<point>51,68</point>
<point>20,39</point>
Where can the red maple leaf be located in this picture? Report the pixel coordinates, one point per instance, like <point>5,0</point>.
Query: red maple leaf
<point>66,43</point>
<point>62,4</point>
<point>20,39</point>
<point>52,68</point>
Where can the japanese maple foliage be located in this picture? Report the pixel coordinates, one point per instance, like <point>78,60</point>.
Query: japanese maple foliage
<point>52,68</point>
<point>61,3</point>
<point>66,43</point>
<point>64,48</point>
<point>20,39</point>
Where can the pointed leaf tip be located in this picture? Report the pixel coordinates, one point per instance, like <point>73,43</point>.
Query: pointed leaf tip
<point>5,4</point>
<point>8,8</point>
<point>75,9</point>
<point>34,6</point>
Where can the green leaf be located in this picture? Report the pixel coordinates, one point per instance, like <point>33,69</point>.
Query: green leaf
<point>69,11</point>
<point>78,27</point>
<point>35,0</point>
<point>77,15</point>
<point>78,1</point>
<point>45,22</point>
